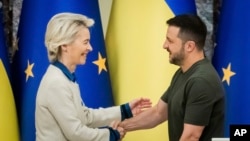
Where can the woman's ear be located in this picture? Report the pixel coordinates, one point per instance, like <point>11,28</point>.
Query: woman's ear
<point>63,48</point>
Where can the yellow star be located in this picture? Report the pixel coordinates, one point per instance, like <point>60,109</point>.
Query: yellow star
<point>28,70</point>
<point>100,63</point>
<point>227,74</point>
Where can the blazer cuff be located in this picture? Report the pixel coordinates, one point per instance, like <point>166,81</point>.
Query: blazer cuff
<point>114,134</point>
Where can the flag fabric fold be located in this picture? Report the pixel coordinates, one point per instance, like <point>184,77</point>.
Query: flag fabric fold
<point>182,6</point>
<point>30,61</point>
<point>231,59</point>
<point>139,66</point>
<point>8,119</point>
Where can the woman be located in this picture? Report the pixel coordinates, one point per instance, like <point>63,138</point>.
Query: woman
<point>60,112</point>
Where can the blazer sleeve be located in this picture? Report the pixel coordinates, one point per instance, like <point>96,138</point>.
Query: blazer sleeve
<point>78,127</point>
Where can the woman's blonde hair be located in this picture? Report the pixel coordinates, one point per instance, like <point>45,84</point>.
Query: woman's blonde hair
<point>61,30</point>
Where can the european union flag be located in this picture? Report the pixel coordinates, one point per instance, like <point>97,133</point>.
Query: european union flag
<point>232,61</point>
<point>31,61</point>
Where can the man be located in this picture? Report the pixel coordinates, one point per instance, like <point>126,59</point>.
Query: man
<point>193,104</point>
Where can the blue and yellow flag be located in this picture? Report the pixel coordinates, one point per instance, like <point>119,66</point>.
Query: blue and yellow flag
<point>139,66</point>
<point>31,61</point>
<point>232,61</point>
<point>8,119</point>
<point>182,6</point>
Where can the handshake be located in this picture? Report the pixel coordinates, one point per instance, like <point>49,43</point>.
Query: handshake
<point>137,107</point>
<point>118,126</point>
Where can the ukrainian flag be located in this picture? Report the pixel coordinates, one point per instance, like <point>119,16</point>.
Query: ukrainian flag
<point>139,65</point>
<point>8,119</point>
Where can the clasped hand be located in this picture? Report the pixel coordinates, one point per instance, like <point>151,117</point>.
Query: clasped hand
<point>137,106</point>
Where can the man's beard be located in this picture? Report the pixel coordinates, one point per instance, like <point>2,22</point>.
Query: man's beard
<point>178,58</point>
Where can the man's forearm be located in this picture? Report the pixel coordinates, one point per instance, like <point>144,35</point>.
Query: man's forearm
<point>145,120</point>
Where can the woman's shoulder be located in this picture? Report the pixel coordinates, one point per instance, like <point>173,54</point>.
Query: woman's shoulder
<point>54,75</point>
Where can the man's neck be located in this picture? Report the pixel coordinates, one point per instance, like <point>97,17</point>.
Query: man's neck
<point>190,60</point>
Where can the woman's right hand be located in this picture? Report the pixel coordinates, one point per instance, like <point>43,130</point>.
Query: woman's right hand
<point>115,126</point>
<point>121,131</point>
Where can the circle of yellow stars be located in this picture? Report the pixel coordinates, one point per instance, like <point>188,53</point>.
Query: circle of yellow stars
<point>100,63</point>
<point>227,74</point>
<point>28,70</point>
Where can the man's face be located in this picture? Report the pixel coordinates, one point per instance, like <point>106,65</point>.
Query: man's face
<point>174,45</point>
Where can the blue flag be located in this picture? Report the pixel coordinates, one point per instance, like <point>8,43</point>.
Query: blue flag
<point>182,6</point>
<point>232,61</point>
<point>30,61</point>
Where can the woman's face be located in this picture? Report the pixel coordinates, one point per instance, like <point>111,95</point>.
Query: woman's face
<point>78,49</point>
